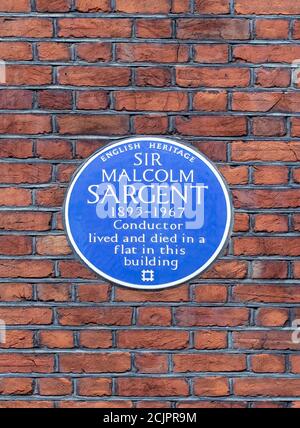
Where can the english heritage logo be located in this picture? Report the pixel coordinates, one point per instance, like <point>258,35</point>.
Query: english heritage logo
<point>148,213</point>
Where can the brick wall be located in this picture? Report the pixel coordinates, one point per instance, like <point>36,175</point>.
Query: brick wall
<point>81,73</point>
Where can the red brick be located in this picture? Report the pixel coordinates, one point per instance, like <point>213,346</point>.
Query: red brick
<point>28,404</point>
<point>295,363</point>
<point>154,316</point>
<point>25,27</point>
<point>26,269</point>
<point>154,28</point>
<point>55,100</point>
<point>296,270</point>
<point>25,316</point>
<point>212,405</point>
<point>272,29</point>
<point>267,387</point>
<point>270,175</point>
<point>143,6</point>
<point>271,223</point>
<point>154,387</point>
<point>15,51</point>
<point>151,363</point>
<point>272,317</point>
<point>211,53</point>
<point>269,269</point>
<point>15,245</point>
<point>213,29</point>
<point>296,175</point>
<point>178,294</point>
<point>25,124</point>
<point>295,127</point>
<point>93,5</point>
<point>273,77</point>
<point>15,148</point>
<point>266,363</point>
<point>16,386</point>
<point>209,363</point>
<point>152,339</point>
<point>50,197</point>
<point>151,124</point>
<point>53,51</point>
<point>210,126</point>
<point>118,362</point>
<point>215,150</point>
<point>296,30</point>
<point>104,316</point>
<point>258,54</point>
<point>210,339</point>
<point>211,386</point>
<point>222,317</point>
<point>180,6</point>
<point>265,151</point>
<point>227,269</point>
<point>65,172</point>
<point>25,173</point>
<point>94,52</point>
<point>212,6</point>
<point>153,76</point>
<point>96,339</point>
<point>112,404</point>
<point>54,292</point>
<point>92,100</point>
<point>28,75</point>
<point>19,339</point>
<point>266,101</point>
<point>269,127</point>
<point>74,269</point>
<point>296,222</point>
<point>53,149</point>
<point>210,101</point>
<point>210,293</point>
<point>270,246</point>
<point>269,340</point>
<point>94,387</point>
<point>153,101</point>
<point>94,27</point>
<point>266,293</point>
<point>93,293</point>
<point>225,77</point>
<point>54,6</point>
<point>15,99</point>
<point>55,386</point>
<point>235,174</point>
<point>94,76</point>
<point>91,124</point>
<point>15,6</point>
<point>15,292</point>
<point>241,222</point>
<point>56,339</point>
<point>26,363</point>
<point>152,52</point>
<point>17,220</point>
<point>273,7</point>
<point>153,404</point>
<point>12,196</point>
<point>266,198</point>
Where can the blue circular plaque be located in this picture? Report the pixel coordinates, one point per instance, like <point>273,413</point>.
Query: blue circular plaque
<point>148,213</point>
